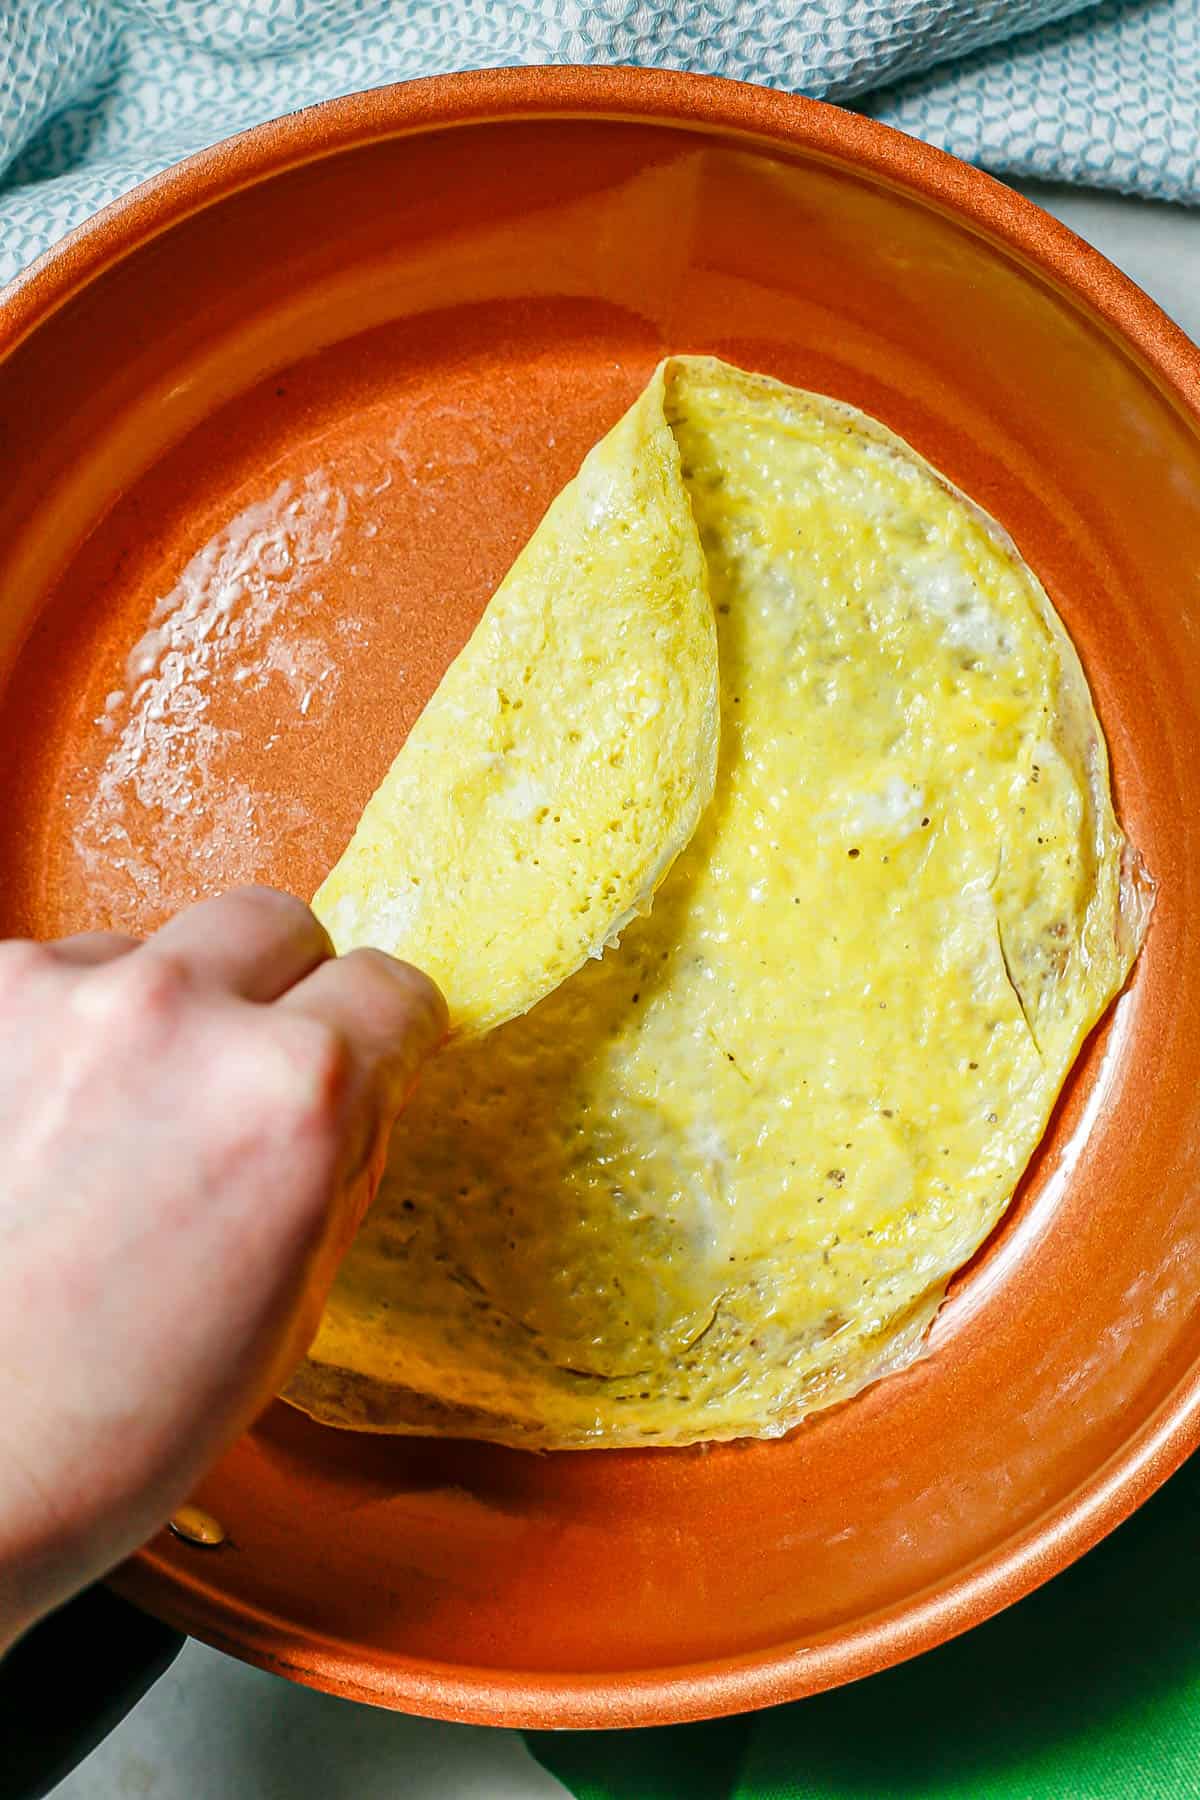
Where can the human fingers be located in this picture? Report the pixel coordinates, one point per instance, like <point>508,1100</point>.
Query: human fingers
<point>388,1018</point>
<point>253,941</point>
<point>89,949</point>
<point>389,1014</point>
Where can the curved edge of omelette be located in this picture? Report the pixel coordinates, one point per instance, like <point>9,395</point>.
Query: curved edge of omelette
<point>566,756</point>
<point>1084,878</point>
<point>1119,911</point>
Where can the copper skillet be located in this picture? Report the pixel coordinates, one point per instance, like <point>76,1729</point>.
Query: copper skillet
<point>458,284</point>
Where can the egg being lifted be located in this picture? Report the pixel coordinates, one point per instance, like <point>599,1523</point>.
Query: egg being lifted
<point>722,1176</point>
<point>566,756</point>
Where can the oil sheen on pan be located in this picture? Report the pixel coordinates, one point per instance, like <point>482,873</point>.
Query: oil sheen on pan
<point>720,1177</point>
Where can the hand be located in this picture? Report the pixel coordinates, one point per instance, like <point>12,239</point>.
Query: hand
<point>192,1129</point>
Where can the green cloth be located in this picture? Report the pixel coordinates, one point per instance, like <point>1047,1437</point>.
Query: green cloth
<point>1087,1690</point>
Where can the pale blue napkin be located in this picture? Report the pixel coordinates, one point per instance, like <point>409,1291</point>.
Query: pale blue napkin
<point>97,94</point>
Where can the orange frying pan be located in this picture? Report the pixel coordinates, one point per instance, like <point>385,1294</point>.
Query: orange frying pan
<point>404,316</point>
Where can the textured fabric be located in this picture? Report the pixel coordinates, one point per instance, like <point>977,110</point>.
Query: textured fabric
<point>97,94</point>
<point>1110,99</point>
<point>1088,1690</point>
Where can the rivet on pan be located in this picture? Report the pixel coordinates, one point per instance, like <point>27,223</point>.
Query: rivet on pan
<point>197,1527</point>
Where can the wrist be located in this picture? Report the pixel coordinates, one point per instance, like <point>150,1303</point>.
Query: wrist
<point>43,1540</point>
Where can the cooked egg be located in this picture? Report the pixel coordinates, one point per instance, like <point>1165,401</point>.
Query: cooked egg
<point>721,1177</point>
<point>564,760</point>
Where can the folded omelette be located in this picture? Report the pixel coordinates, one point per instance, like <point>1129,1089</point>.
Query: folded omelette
<point>762,841</point>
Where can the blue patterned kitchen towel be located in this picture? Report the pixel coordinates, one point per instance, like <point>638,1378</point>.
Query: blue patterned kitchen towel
<point>97,94</point>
